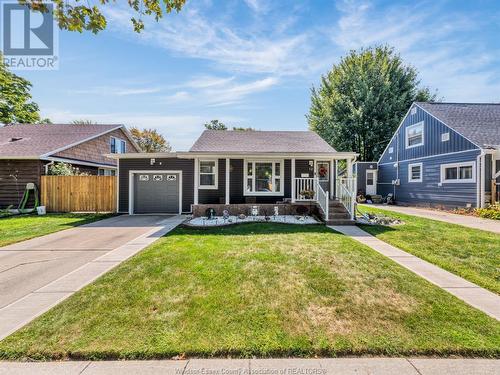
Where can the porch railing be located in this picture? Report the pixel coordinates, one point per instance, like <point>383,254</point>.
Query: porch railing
<point>323,200</point>
<point>309,189</point>
<point>306,189</point>
<point>346,192</point>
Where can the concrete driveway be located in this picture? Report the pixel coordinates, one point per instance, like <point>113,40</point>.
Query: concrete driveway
<point>29,265</point>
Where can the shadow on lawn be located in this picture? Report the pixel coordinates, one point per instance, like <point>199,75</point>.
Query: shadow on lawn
<point>378,229</point>
<point>245,229</point>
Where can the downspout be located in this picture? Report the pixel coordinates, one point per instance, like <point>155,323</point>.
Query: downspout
<point>46,166</point>
<point>480,191</point>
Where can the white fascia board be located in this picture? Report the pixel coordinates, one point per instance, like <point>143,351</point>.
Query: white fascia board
<point>268,155</point>
<point>79,162</point>
<point>142,155</point>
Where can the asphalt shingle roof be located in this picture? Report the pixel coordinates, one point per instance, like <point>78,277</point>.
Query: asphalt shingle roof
<point>478,122</point>
<point>260,142</point>
<point>38,140</point>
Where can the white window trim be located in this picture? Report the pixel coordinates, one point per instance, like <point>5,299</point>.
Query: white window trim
<point>421,123</point>
<point>216,172</point>
<point>391,150</point>
<point>458,165</point>
<point>410,179</point>
<point>118,140</point>
<point>263,193</point>
<point>445,135</point>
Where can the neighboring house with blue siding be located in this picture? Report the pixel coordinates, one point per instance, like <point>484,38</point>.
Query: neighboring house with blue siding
<point>443,154</point>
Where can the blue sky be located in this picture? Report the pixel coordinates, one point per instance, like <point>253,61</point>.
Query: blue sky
<point>253,62</point>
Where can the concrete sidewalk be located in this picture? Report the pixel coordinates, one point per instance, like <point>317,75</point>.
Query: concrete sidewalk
<point>117,239</point>
<point>285,366</point>
<point>472,294</point>
<point>467,221</point>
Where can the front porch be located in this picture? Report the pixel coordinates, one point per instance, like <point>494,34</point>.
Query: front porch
<point>324,185</point>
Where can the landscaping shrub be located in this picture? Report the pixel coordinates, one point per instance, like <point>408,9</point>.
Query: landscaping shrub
<point>492,211</point>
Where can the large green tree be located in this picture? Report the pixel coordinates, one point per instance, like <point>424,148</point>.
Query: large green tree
<point>215,125</point>
<point>361,100</point>
<point>16,105</point>
<point>87,15</point>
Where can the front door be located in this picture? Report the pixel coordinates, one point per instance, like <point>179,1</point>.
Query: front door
<point>323,174</point>
<point>371,182</point>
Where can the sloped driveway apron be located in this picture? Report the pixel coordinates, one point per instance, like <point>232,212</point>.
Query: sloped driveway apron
<point>37,274</point>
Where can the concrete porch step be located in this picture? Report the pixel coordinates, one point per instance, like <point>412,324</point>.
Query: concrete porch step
<point>339,216</point>
<point>340,222</point>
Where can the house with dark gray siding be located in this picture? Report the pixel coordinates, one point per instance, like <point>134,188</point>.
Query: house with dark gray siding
<point>236,170</point>
<point>443,154</point>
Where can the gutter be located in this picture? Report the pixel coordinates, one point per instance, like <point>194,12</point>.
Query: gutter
<point>480,171</point>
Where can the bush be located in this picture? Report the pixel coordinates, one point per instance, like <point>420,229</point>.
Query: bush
<point>492,211</point>
<point>65,169</point>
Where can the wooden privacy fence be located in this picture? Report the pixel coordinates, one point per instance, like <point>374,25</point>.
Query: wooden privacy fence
<point>79,193</point>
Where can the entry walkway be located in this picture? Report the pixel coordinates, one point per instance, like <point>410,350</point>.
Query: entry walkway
<point>38,274</point>
<point>472,294</point>
<point>285,366</point>
<point>467,221</point>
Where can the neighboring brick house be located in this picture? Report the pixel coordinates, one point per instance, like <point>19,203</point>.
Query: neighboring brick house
<point>26,151</point>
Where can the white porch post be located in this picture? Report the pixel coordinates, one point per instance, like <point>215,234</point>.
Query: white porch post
<point>351,185</point>
<point>336,173</point>
<point>196,179</point>
<point>332,178</point>
<point>293,180</point>
<point>227,180</point>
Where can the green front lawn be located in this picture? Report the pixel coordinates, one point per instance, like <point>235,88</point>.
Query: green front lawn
<point>470,253</point>
<point>256,290</point>
<point>24,227</point>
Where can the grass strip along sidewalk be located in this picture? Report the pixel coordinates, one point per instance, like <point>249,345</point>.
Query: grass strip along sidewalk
<point>469,253</point>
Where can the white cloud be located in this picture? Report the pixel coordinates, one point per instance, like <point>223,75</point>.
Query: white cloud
<point>189,34</point>
<point>179,96</point>
<point>216,91</point>
<point>428,38</point>
<point>257,6</point>
<point>116,91</point>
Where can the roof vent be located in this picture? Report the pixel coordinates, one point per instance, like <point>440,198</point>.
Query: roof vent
<point>15,139</point>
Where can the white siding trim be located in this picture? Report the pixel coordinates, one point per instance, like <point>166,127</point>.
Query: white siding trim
<point>410,166</point>
<point>216,171</point>
<point>245,177</point>
<point>458,165</point>
<point>227,179</point>
<point>408,128</point>
<point>430,156</point>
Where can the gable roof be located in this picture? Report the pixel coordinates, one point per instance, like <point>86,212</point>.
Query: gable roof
<point>257,141</point>
<point>30,141</point>
<point>478,122</point>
